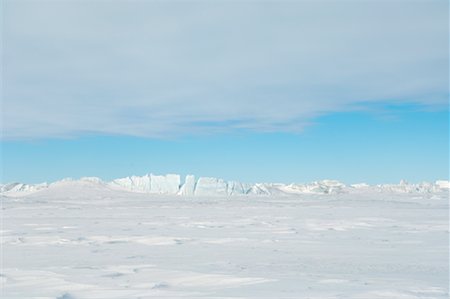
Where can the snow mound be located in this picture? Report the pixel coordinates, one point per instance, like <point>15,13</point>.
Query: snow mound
<point>443,184</point>
<point>405,187</point>
<point>22,188</point>
<point>320,187</point>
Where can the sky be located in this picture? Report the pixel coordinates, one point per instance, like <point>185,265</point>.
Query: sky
<point>290,91</point>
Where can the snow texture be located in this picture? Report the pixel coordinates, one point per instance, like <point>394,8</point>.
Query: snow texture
<point>91,239</point>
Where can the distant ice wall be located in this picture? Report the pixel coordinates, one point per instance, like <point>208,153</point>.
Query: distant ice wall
<point>150,183</point>
<point>209,186</point>
<point>188,188</point>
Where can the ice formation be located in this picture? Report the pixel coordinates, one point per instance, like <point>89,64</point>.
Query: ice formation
<point>209,186</point>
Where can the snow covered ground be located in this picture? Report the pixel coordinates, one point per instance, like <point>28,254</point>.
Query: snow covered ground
<point>85,239</point>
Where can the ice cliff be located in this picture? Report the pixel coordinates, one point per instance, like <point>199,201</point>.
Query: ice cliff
<point>209,186</point>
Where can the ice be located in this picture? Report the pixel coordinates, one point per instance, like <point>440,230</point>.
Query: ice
<point>237,188</point>
<point>168,184</point>
<point>325,186</point>
<point>188,188</point>
<point>259,189</point>
<point>210,186</point>
<point>134,183</point>
<point>150,183</point>
<point>443,184</point>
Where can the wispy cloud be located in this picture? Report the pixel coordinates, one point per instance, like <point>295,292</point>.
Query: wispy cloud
<point>150,68</point>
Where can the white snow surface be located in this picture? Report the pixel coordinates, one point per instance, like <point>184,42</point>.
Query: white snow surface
<point>91,239</point>
<point>208,186</point>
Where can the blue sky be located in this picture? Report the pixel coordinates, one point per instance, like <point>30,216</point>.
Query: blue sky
<point>402,142</point>
<point>273,91</point>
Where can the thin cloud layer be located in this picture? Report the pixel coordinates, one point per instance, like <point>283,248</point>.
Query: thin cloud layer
<point>158,69</point>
